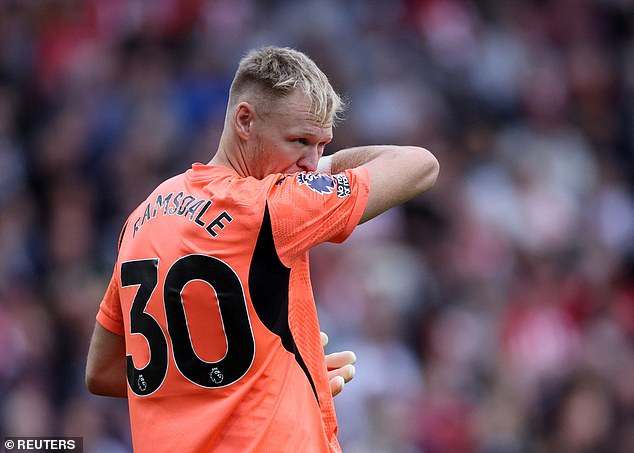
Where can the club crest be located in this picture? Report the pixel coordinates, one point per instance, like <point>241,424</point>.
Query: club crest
<point>320,183</point>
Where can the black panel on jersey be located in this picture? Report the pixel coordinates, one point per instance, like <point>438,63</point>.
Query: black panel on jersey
<point>121,235</point>
<point>268,285</point>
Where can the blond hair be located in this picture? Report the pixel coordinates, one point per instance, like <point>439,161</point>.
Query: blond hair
<point>274,72</point>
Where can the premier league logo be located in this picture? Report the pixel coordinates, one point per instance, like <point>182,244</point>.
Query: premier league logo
<point>216,376</point>
<point>320,183</point>
<point>141,383</point>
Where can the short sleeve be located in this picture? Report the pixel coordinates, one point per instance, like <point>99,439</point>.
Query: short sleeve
<point>309,208</point>
<point>110,315</point>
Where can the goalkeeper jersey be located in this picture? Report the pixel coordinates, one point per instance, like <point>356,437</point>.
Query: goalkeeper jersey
<point>211,290</point>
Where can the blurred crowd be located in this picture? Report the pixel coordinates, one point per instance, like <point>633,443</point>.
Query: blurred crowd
<point>493,314</point>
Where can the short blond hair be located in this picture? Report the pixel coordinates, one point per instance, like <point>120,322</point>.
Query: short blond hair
<point>274,72</point>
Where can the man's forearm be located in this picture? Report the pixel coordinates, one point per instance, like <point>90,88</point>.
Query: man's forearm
<point>397,173</point>
<point>351,158</point>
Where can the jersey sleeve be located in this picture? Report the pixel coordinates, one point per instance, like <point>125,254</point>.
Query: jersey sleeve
<point>110,315</point>
<point>309,208</point>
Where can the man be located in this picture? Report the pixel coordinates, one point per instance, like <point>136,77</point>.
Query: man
<point>210,296</point>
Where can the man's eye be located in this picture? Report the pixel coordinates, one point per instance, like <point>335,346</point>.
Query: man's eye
<point>301,141</point>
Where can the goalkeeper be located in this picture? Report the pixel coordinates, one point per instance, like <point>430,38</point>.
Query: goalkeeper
<point>208,325</point>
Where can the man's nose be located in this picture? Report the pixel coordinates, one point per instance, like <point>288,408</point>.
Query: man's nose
<point>309,162</point>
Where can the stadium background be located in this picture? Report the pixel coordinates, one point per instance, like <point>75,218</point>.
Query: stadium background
<point>493,314</point>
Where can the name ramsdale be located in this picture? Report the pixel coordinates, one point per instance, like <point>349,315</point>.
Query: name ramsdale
<point>184,205</point>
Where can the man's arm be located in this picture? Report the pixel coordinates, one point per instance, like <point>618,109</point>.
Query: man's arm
<point>106,365</point>
<point>397,173</point>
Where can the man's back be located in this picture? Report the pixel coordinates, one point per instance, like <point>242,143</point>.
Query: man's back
<point>213,272</point>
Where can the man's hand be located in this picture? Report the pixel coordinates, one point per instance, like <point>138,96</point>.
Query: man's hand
<point>340,367</point>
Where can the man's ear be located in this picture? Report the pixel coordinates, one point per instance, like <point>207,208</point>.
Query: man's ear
<point>242,119</point>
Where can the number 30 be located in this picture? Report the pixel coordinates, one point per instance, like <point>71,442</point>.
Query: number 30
<point>233,311</point>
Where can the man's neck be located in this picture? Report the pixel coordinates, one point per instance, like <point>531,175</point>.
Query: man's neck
<point>233,160</point>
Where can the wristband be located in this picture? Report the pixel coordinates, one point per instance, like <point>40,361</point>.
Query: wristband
<point>324,165</point>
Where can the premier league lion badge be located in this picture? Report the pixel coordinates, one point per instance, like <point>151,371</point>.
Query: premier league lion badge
<point>320,183</point>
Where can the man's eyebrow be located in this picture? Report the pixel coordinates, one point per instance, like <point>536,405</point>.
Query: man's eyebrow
<point>311,133</point>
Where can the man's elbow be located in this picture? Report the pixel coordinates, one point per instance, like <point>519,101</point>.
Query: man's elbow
<point>99,384</point>
<point>93,383</point>
<point>428,170</point>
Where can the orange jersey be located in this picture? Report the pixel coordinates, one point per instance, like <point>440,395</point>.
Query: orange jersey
<point>211,289</point>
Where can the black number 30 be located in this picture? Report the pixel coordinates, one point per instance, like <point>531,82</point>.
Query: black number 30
<point>233,312</point>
